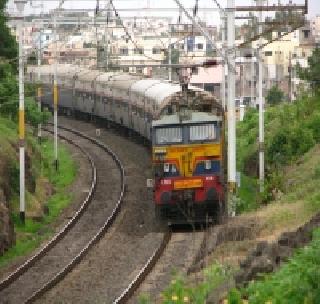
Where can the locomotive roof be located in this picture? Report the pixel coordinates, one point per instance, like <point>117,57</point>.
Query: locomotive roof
<point>196,117</point>
<point>123,81</point>
<point>161,91</point>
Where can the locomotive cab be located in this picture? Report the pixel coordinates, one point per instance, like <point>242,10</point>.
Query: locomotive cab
<point>187,165</point>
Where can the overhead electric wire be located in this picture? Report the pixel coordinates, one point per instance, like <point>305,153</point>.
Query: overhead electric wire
<point>127,33</point>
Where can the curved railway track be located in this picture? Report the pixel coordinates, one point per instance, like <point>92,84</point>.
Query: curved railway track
<point>178,251</point>
<point>51,263</point>
<point>145,270</point>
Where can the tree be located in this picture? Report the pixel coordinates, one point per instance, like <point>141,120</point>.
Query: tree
<point>8,80</point>
<point>274,96</point>
<point>312,72</point>
<point>8,45</point>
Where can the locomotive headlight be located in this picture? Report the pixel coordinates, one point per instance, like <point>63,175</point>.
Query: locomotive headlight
<point>207,164</point>
<point>160,154</point>
<point>166,167</point>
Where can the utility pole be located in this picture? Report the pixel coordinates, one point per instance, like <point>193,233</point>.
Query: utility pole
<point>261,107</point>
<point>253,76</point>
<point>106,38</point>
<point>231,99</point>
<point>39,93</point>
<point>223,79</point>
<point>170,54</point>
<point>20,6</point>
<point>290,77</point>
<point>55,94</point>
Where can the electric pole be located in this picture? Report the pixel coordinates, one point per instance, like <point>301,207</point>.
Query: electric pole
<point>20,6</point>
<point>223,79</point>
<point>231,98</point>
<point>55,94</point>
<point>106,37</point>
<point>261,106</point>
<point>253,76</point>
<point>39,93</point>
<point>170,54</point>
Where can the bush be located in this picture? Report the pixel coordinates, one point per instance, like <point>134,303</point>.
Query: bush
<point>314,125</point>
<point>274,96</point>
<point>296,282</point>
<point>317,172</point>
<point>290,131</point>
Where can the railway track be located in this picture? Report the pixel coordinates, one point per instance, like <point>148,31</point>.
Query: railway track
<point>59,256</point>
<point>177,251</point>
<point>135,255</point>
<point>145,270</point>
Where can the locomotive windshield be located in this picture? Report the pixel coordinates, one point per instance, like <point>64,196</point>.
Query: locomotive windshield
<point>202,132</point>
<point>168,135</point>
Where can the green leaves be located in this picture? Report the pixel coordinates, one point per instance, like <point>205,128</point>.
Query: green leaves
<point>312,73</point>
<point>274,96</point>
<point>296,282</point>
<point>8,45</point>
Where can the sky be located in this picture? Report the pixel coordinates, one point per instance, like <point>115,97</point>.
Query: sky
<point>33,6</point>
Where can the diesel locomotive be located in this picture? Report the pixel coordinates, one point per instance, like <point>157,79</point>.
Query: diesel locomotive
<point>184,124</point>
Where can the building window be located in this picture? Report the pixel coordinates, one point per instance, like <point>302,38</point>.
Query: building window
<point>138,51</point>
<point>156,50</point>
<point>200,46</point>
<point>306,33</point>
<point>124,51</point>
<point>268,53</point>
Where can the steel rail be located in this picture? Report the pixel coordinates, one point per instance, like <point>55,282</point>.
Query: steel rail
<point>145,270</point>
<point>107,224</point>
<point>31,261</point>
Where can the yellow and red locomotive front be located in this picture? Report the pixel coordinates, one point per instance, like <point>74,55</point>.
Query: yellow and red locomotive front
<point>188,166</point>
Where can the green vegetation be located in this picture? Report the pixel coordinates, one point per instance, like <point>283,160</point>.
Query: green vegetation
<point>290,131</point>
<point>179,291</point>
<point>312,72</point>
<point>8,46</point>
<point>296,282</point>
<point>42,183</point>
<point>274,96</point>
<point>30,235</point>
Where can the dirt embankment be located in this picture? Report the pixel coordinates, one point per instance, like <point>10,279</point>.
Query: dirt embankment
<point>9,186</point>
<point>7,236</point>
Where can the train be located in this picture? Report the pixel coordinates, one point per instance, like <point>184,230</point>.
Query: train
<point>184,124</point>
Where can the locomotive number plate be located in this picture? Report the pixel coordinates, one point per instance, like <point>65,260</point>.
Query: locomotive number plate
<point>187,183</point>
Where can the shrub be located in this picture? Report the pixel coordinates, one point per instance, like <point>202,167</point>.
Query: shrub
<point>274,96</point>
<point>314,125</point>
<point>317,172</point>
<point>296,282</point>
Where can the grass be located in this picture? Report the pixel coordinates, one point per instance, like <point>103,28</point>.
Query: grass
<point>247,194</point>
<point>30,235</point>
<point>291,130</point>
<point>297,205</point>
<point>179,291</point>
<point>296,282</point>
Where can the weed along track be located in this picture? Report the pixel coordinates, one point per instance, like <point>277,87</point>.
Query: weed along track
<point>96,214</point>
